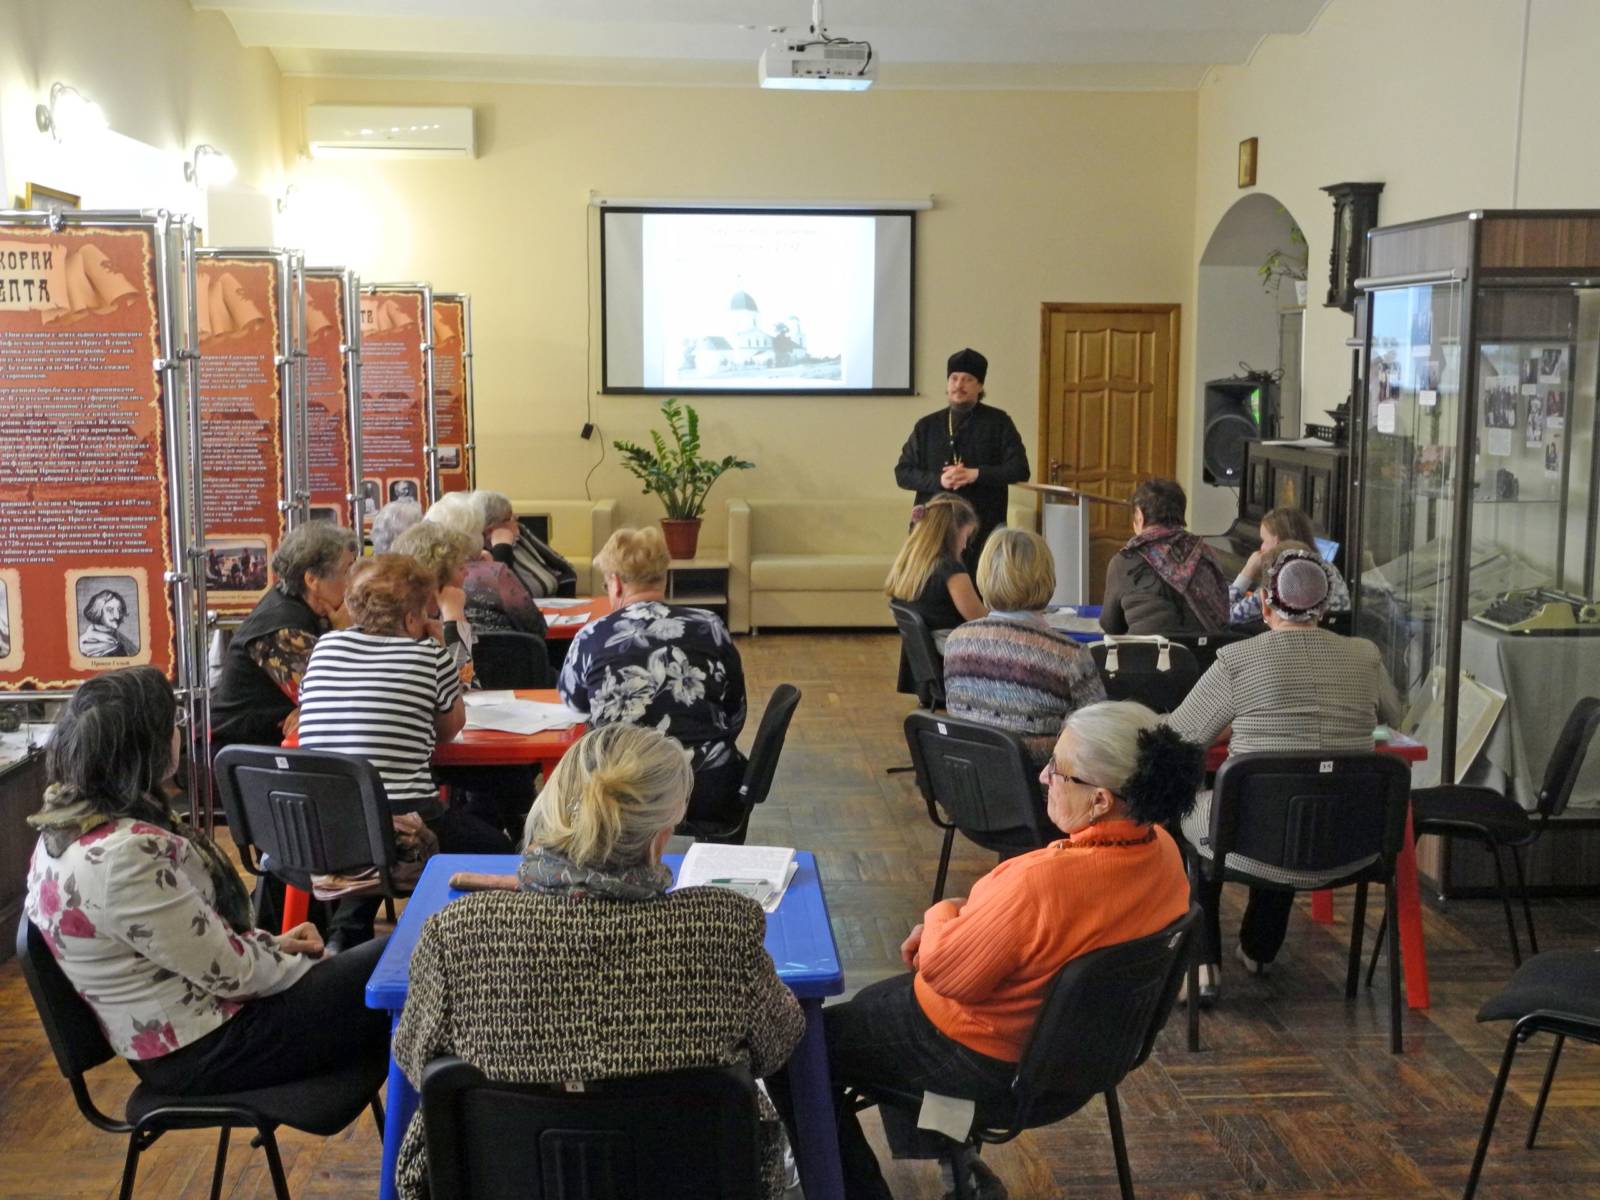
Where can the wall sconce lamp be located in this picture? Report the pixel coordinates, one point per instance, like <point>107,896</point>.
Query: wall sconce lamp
<point>209,167</point>
<point>69,114</point>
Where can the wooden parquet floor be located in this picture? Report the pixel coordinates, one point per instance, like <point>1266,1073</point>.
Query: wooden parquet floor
<point>1295,1096</point>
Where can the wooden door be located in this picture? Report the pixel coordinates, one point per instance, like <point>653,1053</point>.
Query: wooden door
<point>1108,409</point>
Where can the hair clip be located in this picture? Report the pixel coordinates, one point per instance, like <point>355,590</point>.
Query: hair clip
<point>918,511</point>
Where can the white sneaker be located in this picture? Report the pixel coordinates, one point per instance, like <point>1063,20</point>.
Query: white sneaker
<point>1250,964</point>
<point>1210,985</point>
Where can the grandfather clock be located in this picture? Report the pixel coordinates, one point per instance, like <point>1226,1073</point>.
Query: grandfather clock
<point>1355,211</point>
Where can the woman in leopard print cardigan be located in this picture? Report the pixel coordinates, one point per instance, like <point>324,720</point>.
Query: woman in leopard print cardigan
<point>583,966</point>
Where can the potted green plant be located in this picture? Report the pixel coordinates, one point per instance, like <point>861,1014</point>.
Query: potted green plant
<point>677,475</point>
<point>1287,264</point>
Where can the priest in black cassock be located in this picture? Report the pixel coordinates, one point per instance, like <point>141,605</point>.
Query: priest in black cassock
<point>967,448</point>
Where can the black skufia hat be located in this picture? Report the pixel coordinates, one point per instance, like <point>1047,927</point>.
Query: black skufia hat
<point>968,361</point>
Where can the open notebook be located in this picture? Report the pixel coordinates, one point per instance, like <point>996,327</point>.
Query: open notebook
<point>760,872</point>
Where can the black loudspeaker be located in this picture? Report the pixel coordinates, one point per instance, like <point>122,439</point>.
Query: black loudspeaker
<point>1237,412</point>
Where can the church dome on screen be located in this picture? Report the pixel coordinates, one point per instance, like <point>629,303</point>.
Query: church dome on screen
<point>743,302</point>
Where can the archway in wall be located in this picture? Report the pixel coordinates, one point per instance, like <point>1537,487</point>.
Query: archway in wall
<point>1238,321</point>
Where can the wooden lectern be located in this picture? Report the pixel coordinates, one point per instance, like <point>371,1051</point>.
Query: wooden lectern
<point>1067,530</point>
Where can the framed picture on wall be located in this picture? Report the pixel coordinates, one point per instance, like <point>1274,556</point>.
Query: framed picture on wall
<point>38,198</point>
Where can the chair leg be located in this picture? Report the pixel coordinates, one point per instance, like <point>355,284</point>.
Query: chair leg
<point>130,1167</point>
<point>377,1114</point>
<point>899,770</point>
<point>1505,902</point>
<point>1544,1088</point>
<point>1194,997</point>
<point>268,1142</point>
<point>1377,948</point>
<point>1488,1118</point>
<point>1391,918</point>
<point>962,1177</point>
<point>388,909</point>
<point>221,1163</point>
<point>1358,929</point>
<point>1119,1145</point>
<point>1527,909</point>
<point>944,864</point>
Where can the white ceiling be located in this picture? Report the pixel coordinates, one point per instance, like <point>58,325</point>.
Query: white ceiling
<point>1120,44</point>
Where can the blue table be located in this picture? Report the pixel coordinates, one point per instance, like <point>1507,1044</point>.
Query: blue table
<point>799,939</point>
<point>1091,611</point>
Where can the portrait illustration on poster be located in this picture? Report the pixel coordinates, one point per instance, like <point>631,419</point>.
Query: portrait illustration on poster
<point>405,489</point>
<point>10,621</point>
<point>110,617</point>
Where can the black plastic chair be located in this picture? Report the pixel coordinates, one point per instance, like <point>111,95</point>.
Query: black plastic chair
<point>298,813</point>
<point>1133,671</point>
<point>982,781</point>
<point>1312,813</point>
<point>1204,646</point>
<point>681,1135</point>
<point>922,653</point>
<point>759,769</point>
<point>505,659</point>
<point>322,1105</point>
<point>1098,1024</point>
<point>1497,821</point>
<point>1555,993</point>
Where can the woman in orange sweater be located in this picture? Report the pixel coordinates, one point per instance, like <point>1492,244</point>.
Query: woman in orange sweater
<point>980,967</point>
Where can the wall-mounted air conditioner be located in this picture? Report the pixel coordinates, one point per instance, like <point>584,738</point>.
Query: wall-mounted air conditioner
<point>385,131</point>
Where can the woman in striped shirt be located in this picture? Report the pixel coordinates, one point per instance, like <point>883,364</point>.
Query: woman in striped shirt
<point>387,690</point>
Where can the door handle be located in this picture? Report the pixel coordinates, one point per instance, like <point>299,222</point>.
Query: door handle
<point>1055,471</point>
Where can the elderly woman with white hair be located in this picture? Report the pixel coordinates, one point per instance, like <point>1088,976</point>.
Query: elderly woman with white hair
<point>393,519</point>
<point>497,600</point>
<point>1297,688</point>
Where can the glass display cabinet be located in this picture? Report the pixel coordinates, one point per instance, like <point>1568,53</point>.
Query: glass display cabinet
<point>1474,505</point>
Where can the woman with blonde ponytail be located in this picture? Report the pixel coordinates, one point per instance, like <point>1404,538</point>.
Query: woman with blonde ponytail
<point>583,965</point>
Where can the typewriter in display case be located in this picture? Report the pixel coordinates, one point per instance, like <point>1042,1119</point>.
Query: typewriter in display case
<point>1540,610</point>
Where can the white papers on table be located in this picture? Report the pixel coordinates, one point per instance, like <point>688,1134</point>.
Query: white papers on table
<point>473,699</point>
<point>566,601</point>
<point>760,872</point>
<point>1068,620</point>
<point>568,619</point>
<point>520,716</point>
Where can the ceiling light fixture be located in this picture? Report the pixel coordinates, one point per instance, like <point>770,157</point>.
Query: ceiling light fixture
<point>69,114</point>
<point>209,167</point>
<point>818,63</point>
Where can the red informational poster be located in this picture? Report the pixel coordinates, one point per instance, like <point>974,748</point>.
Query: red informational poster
<point>394,387</point>
<point>327,401</point>
<point>451,424</point>
<point>84,533</point>
<point>241,442</point>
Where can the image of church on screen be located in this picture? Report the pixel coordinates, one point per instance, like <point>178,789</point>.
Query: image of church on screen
<point>750,347</point>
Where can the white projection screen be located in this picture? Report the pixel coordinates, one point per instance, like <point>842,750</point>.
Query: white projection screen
<point>780,301</point>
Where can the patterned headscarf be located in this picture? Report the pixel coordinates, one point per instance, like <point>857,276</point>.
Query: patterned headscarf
<point>1189,567</point>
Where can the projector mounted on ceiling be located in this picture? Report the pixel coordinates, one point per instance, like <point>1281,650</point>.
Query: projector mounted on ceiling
<point>820,62</point>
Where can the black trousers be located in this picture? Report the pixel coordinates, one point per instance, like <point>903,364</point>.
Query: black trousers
<point>318,1025</point>
<point>458,831</point>
<point>882,1037</point>
<point>1261,932</point>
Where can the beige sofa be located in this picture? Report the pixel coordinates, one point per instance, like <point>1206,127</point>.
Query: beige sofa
<point>578,528</point>
<point>817,562</point>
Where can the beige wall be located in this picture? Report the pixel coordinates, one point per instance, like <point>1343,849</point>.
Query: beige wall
<point>167,77</point>
<point>1420,95</point>
<point>1039,196</point>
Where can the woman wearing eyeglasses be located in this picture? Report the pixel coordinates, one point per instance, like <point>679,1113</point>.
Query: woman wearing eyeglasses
<point>980,967</point>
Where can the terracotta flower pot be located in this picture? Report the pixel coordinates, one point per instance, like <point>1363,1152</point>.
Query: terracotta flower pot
<point>683,536</point>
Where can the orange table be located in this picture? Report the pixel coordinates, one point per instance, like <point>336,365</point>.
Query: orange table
<point>1413,954</point>
<point>593,608</point>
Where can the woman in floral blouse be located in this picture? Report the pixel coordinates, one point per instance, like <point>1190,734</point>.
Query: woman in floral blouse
<point>667,666</point>
<point>153,927</point>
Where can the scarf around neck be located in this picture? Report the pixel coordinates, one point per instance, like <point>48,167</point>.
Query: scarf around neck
<point>543,870</point>
<point>1186,565</point>
<point>67,815</point>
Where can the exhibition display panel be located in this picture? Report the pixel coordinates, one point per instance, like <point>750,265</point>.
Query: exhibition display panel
<point>1475,507</point>
<point>452,392</point>
<point>332,344</point>
<point>398,460</point>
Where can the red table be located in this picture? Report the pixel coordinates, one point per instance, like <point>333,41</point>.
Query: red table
<point>593,608</point>
<point>1413,954</point>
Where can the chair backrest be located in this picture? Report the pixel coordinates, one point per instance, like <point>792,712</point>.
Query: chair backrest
<point>682,1134</point>
<point>1204,646</point>
<point>1134,671</point>
<point>927,667</point>
<point>768,746</point>
<point>979,776</point>
<point>505,659</point>
<point>1099,1021</point>
<point>1566,760</point>
<point>1311,812</point>
<point>76,1038</point>
<point>309,812</point>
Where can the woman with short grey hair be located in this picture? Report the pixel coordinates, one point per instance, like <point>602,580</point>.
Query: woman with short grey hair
<point>497,597</point>
<point>256,701</point>
<point>393,519</point>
